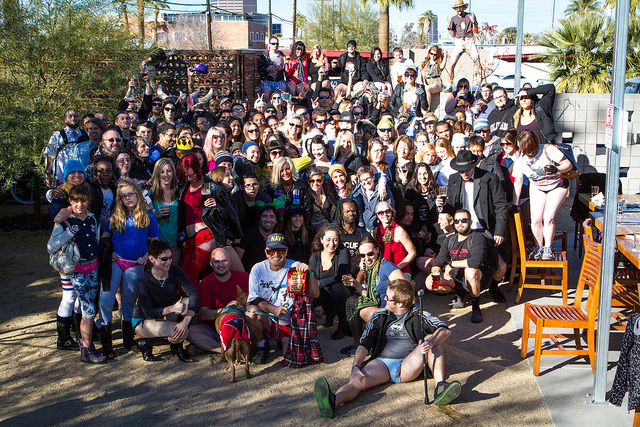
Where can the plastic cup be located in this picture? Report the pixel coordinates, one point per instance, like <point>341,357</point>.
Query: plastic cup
<point>399,79</point>
<point>206,194</point>
<point>594,191</point>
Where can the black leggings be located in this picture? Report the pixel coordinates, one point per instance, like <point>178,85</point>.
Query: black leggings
<point>333,299</point>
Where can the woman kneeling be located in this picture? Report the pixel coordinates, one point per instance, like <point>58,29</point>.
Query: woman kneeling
<point>161,311</point>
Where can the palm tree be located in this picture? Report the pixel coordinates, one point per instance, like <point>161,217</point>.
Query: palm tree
<point>580,6</point>
<point>383,32</point>
<point>633,5</point>
<point>580,53</point>
<point>424,25</point>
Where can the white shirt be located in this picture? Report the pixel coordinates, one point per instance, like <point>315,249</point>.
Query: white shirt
<point>468,204</point>
<point>398,69</point>
<point>272,286</point>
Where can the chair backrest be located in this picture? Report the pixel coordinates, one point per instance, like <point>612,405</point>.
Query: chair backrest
<point>590,277</point>
<point>517,219</point>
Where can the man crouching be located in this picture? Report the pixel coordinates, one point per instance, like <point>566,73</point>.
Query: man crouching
<point>393,335</point>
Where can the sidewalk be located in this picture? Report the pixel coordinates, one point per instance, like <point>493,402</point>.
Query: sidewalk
<point>564,381</point>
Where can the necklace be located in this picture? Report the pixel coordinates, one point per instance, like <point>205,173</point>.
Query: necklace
<point>161,281</point>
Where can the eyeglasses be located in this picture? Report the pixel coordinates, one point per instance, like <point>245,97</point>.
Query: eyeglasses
<point>169,109</point>
<point>113,139</point>
<point>365,180</point>
<point>238,110</point>
<point>385,129</point>
<point>320,122</point>
<point>276,152</point>
<point>506,144</point>
<point>316,181</point>
<point>274,44</point>
<point>165,258</point>
<point>359,113</point>
<point>500,97</point>
<point>123,161</point>
<point>215,136</point>
<point>368,254</point>
<point>104,171</point>
<point>325,97</point>
<point>482,131</point>
<point>433,53</point>
<point>385,212</point>
<point>252,185</point>
<point>271,112</point>
<point>461,220</point>
<point>157,104</point>
<point>128,196</point>
<point>295,125</point>
<point>410,75</point>
<point>253,130</point>
<point>387,299</point>
<point>276,97</point>
<point>272,252</point>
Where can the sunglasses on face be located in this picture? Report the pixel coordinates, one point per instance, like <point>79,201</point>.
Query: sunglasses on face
<point>295,125</point>
<point>316,181</point>
<point>166,258</point>
<point>277,153</point>
<point>506,144</point>
<point>276,97</point>
<point>157,104</point>
<point>324,97</point>
<point>385,129</point>
<point>358,113</point>
<point>274,44</point>
<point>461,220</point>
<point>272,252</point>
<point>387,299</point>
<point>253,130</point>
<point>320,122</point>
<point>368,254</point>
<point>169,109</point>
<point>410,75</point>
<point>385,212</point>
<point>113,139</point>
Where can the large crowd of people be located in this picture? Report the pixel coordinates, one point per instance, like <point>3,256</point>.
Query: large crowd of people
<point>181,202</point>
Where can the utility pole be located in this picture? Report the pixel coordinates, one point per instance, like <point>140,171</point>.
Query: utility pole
<point>209,43</point>
<point>295,13</point>
<point>270,26</point>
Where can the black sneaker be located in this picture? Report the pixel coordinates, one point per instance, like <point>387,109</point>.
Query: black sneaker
<point>496,293</point>
<point>324,397</point>
<point>446,392</point>
<point>349,350</point>
<point>476,316</point>
<point>262,354</point>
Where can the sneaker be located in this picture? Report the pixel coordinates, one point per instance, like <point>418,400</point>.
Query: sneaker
<point>446,392</point>
<point>546,254</point>
<point>496,293</point>
<point>91,356</point>
<point>476,316</point>
<point>349,350</point>
<point>262,354</point>
<point>324,397</point>
<point>459,301</point>
<point>535,253</point>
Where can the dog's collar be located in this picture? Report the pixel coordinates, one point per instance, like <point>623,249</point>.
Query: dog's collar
<point>233,310</point>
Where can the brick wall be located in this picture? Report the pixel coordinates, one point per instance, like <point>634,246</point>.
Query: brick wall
<point>235,34</point>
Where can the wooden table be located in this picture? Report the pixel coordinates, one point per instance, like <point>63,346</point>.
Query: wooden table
<point>585,198</point>
<point>624,238</point>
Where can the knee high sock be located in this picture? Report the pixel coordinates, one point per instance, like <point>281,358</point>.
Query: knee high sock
<point>199,262</point>
<point>65,309</point>
<point>355,323</point>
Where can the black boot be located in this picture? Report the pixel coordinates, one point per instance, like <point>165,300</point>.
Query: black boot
<point>65,342</point>
<point>146,348</point>
<point>179,351</point>
<point>105,340</point>
<point>128,336</point>
<point>77,317</point>
<point>354,323</point>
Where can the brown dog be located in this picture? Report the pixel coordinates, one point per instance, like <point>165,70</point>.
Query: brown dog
<point>234,334</point>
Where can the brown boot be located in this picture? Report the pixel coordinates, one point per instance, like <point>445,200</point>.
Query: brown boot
<point>128,336</point>
<point>105,339</point>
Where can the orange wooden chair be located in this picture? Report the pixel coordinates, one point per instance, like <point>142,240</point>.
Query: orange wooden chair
<point>557,281</point>
<point>567,316</point>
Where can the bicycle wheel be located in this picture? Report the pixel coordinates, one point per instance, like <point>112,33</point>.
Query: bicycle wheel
<point>22,189</point>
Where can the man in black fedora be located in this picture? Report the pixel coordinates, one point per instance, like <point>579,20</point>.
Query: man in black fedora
<point>480,193</point>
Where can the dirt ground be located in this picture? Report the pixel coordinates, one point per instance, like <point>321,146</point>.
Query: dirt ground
<point>40,385</point>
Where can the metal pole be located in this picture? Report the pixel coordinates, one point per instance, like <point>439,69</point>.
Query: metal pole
<point>520,29</point>
<point>553,14</point>
<point>209,42</point>
<point>269,29</point>
<point>611,198</point>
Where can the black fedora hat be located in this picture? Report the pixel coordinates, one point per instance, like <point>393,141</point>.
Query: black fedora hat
<point>465,160</point>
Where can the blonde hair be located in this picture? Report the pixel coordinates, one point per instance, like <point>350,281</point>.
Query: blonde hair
<point>388,234</point>
<point>118,220</point>
<point>410,145</point>
<point>319,61</point>
<point>277,168</point>
<point>352,139</point>
<point>444,143</point>
<point>156,186</point>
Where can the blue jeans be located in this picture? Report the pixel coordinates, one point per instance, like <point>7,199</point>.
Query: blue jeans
<point>129,293</point>
<point>86,288</point>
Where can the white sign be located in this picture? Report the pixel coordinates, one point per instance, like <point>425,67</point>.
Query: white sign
<point>608,136</point>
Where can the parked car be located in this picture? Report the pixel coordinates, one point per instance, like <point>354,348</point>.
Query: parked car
<point>632,85</point>
<point>507,81</point>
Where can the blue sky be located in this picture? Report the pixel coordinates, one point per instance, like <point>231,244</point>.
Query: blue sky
<point>503,13</point>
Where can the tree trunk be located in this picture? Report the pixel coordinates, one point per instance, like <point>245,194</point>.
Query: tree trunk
<point>156,12</point>
<point>125,15</point>
<point>140,4</point>
<point>383,32</point>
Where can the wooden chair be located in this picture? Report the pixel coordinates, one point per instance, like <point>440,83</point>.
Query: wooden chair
<point>558,263</point>
<point>568,316</point>
<point>512,267</point>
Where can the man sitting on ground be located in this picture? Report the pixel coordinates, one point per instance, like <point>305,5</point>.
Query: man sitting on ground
<point>394,337</point>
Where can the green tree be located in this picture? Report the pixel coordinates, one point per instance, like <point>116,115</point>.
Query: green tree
<point>333,24</point>
<point>141,6</point>
<point>56,55</point>
<point>408,38</point>
<point>633,5</point>
<point>424,24</point>
<point>580,6</point>
<point>579,53</point>
<point>509,35</point>
<point>383,31</point>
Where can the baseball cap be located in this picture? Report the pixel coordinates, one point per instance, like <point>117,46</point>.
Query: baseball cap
<point>276,241</point>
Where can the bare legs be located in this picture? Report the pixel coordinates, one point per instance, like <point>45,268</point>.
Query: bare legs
<point>544,207</point>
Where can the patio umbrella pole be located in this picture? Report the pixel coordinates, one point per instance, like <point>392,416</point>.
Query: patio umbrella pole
<point>611,201</point>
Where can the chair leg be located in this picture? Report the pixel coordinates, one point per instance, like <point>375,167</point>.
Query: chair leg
<point>525,332</point>
<point>565,282</point>
<point>576,234</point>
<point>591,342</point>
<point>523,276</point>
<point>576,337</point>
<point>537,350</point>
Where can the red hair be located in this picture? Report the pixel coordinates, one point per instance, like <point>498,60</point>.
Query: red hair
<point>189,161</point>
